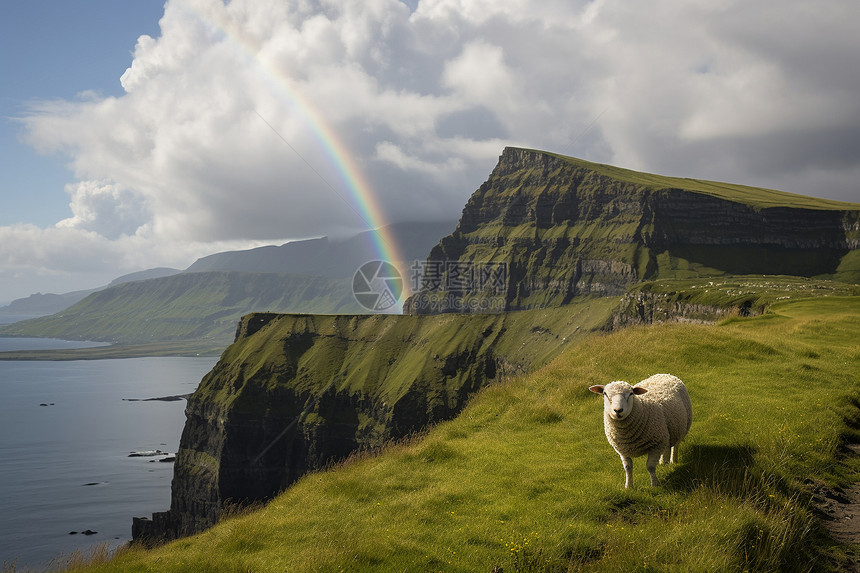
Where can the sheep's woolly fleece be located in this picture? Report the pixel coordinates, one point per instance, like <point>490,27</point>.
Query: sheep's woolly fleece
<point>653,421</point>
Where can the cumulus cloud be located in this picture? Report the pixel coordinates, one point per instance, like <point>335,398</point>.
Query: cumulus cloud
<point>722,89</point>
<point>64,258</point>
<point>229,118</point>
<point>106,209</point>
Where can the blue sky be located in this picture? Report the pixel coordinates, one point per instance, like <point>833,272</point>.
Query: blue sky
<point>145,134</point>
<point>52,49</point>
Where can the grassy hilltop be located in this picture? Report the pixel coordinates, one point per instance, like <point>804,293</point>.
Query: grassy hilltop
<point>758,197</point>
<point>524,480</point>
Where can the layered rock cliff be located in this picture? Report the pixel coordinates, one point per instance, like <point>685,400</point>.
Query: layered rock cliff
<point>563,228</point>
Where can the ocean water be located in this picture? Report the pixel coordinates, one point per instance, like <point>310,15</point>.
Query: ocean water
<point>66,430</point>
<point>17,344</point>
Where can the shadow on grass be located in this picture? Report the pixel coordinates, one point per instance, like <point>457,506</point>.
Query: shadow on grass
<point>723,468</point>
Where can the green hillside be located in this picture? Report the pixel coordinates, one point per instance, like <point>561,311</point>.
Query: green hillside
<point>524,480</point>
<point>202,307</point>
<point>755,196</point>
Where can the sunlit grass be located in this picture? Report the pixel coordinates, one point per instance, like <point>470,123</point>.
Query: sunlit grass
<point>524,479</point>
<point>756,196</point>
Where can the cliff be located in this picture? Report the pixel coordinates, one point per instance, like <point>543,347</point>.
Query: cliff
<point>295,393</point>
<point>551,241</point>
<point>563,227</point>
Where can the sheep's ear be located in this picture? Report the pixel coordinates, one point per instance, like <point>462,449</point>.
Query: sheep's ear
<point>639,390</point>
<point>597,388</point>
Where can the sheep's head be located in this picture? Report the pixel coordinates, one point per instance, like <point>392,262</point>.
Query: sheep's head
<point>617,398</point>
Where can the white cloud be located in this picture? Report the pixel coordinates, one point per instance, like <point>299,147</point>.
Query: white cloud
<point>106,209</point>
<point>64,258</point>
<point>225,111</point>
<point>480,75</point>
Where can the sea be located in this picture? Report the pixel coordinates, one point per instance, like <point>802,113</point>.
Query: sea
<point>67,429</point>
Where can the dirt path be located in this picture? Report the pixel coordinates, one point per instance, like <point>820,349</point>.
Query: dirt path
<point>839,511</point>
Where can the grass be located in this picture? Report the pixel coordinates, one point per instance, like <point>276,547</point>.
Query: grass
<point>751,293</point>
<point>755,196</point>
<point>524,479</point>
<point>381,357</point>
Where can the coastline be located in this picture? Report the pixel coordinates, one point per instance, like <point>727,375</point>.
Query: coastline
<point>184,348</point>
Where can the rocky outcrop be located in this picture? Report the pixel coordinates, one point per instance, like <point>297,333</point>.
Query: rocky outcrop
<point>562,228</point>
<point>713,300</point>
<point>639,308</point>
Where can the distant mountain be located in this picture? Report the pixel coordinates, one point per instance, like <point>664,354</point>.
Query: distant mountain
<point>322,257</point>
<point>325,257</point>
<point>156,273</point>
<point>44,304</point>
<point>188,306</point>
<point>39,304</point>
<point>206,301</point>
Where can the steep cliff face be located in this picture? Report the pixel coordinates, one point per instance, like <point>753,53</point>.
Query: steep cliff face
<point>712,235</point>
<point>564,227</point>
<point>297,392</point>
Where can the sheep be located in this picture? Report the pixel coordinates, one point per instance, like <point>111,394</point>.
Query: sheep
<point>651,418</point>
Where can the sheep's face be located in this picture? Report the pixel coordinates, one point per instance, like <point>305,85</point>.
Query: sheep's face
<point>618,398</point>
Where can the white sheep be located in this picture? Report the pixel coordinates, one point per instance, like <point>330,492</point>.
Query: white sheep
<point>651,418</point>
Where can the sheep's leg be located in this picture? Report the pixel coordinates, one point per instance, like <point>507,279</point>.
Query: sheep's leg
<point>674,457</point>
<point>666,456</point>
<point>651,464</point>
<point>628,471</point>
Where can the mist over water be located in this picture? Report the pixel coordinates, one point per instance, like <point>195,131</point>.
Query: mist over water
<point>66,429</point>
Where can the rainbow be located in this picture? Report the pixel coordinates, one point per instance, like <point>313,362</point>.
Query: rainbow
<point>363,200</point>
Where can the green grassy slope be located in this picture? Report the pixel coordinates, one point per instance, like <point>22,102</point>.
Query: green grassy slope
<point>379,356</point>
<point>754,196</point>
<point>344,383</point>
<point>525,480</point>
<point>190,306</point>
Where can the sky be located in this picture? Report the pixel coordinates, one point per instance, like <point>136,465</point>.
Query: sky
<point>145,134</point>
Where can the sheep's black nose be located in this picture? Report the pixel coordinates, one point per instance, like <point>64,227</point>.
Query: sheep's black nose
<point>619,410</point>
